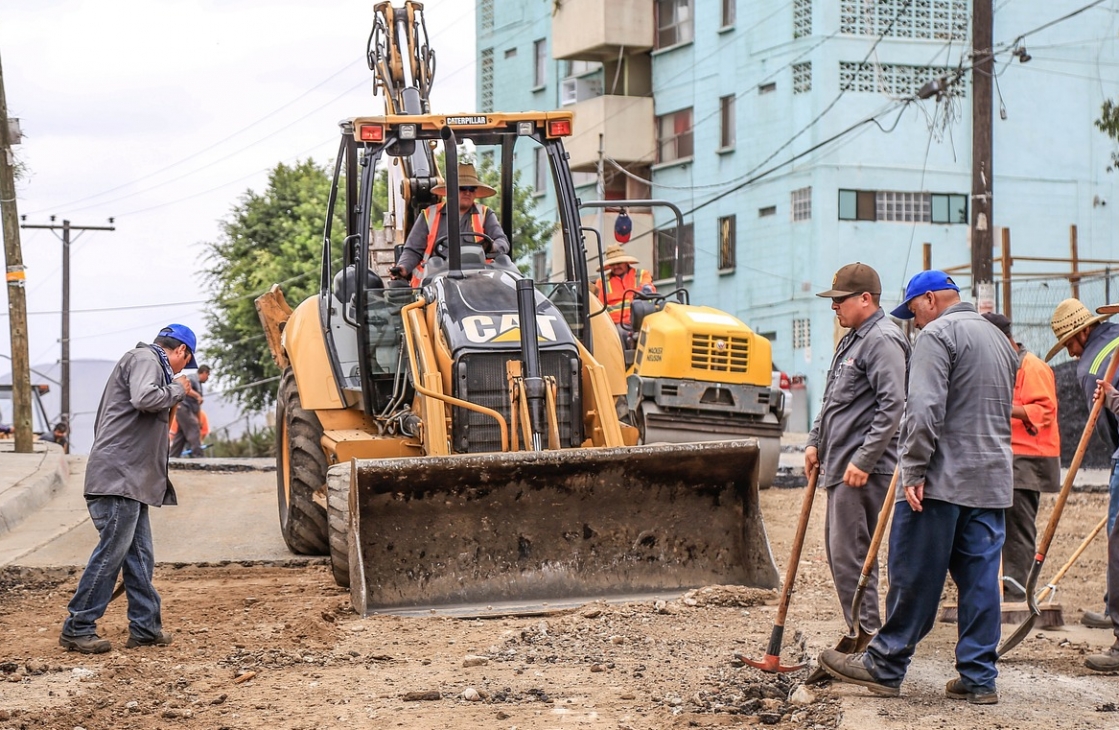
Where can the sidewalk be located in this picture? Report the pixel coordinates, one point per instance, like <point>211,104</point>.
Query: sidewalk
<point>28,481</point>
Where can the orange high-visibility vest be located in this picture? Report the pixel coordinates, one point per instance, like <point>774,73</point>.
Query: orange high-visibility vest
<point>431,215</point>
<point>616,288</point>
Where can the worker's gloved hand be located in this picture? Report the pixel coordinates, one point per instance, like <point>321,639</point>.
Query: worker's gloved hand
<point>646,289</point>
<point>397,273</point>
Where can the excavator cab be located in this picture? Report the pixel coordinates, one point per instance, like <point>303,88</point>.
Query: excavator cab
<point>455,446</point>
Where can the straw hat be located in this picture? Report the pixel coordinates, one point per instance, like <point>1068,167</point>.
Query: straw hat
<point>617,255</point>
<point>1070,317</point>
<point>467,178</point>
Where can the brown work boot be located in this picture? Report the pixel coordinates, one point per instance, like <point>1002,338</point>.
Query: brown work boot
<point>164,639</point>
<point>850,668</point>
<point>956,689</point>
<point>89,644</point>
<point>1106,662</point>
<point>1097,620</point>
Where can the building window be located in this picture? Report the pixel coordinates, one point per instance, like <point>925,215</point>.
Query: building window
<point>487,80</point>
<point>802,334</point>
<point>540,265</point>
<point>540,171</point>
<point>664,257</point>
<point>510,52</point>
<point>902,207</point>
<point>767,211</point>
<point>949,208</point>
<point>726,122</point>
<point>927,20</point>
<point>486,11</point>
<point>728,13</point>
<point>893,79</point>
<point>802,77</point>
<point>674,22</point>
<point>802,18</point>
<point>674,136</point>
<point>767,88</point>
<point>727,243</point>
<point>540,62</point>
<point>801,204</point>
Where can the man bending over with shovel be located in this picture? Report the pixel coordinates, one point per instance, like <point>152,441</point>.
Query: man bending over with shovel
<point>956,473</point>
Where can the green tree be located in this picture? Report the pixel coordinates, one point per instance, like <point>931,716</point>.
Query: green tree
<point>268,238</point>
<point>530,234</point>
<point>1108,123</point>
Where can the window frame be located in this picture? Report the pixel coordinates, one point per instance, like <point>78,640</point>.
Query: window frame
<point>729,10</point>
<point>727,237</point>
<point>682,30</point>
<point>727,122</point>
<point>682,142</point>
<point>800,204</point>
<point>540,63</point>
<point>664,260</point>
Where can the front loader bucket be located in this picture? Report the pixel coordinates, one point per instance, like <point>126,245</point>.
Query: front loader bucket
<point>526,532</point>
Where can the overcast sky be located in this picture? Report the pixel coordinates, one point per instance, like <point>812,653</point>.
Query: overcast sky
<point>161,114</point>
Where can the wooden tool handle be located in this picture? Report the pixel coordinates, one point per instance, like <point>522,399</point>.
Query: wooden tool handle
<point>1085,437</point>
<point>883,520</point>
<point>1075,556</point>
<point>798,543</point>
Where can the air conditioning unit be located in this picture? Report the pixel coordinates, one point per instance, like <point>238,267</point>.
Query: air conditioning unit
<point>574,89</point>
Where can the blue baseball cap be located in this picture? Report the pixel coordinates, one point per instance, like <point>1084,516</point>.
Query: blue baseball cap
<point>183,334</point>
<point>923,283</point>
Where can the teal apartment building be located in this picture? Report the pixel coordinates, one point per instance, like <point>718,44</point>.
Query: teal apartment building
<point>788,133</point>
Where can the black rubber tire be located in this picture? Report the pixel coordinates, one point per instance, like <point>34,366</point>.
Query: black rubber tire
<point>300,472</point>
<point>338,521</point>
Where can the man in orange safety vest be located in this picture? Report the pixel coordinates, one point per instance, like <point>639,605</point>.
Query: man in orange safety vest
<point>620,278</point>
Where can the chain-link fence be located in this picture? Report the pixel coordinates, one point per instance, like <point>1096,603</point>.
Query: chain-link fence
<point>1031,307</point>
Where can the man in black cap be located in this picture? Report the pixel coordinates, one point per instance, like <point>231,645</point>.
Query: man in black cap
<point>1035,439</point>
<point>854,438</point>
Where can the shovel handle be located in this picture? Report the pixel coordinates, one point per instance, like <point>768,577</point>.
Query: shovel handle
<point>1066,488</point>
<point>1075,556</point>
<point>872,550</point>
<point>794,555</point>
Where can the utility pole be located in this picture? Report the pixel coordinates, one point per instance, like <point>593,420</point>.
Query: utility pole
<point>17,294</point>
<point>66,227</point>
<point>982,170</point>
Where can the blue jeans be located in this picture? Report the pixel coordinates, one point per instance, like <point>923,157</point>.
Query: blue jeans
<point>126,543</point>
<point>924,547</point>
<point>1113,495</point>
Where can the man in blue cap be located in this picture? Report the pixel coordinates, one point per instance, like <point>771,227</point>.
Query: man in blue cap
<point>125,474</point>
<point>956,471</point>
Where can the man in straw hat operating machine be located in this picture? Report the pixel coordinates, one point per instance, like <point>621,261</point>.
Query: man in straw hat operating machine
<point>1091,341</point>
<point>620,278</point>
<point>432,225</point>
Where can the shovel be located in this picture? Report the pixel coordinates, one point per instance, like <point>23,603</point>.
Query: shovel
<point>857,637</point>
<point>772,661</point>
<point>1051,529</point>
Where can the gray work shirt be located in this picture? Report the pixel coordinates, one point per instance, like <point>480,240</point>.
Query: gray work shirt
<point>130,446</point>
<point>191,403</point>
<point>955,435</point>
<point>416,243</point>
<point>863,401</point>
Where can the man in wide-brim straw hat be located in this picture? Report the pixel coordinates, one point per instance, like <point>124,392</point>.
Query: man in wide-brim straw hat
<point>432,225</point>
<point>620,278</point>
<point>1090,339</point>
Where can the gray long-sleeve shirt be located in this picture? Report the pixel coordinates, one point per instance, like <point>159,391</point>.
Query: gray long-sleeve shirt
<point>955,435</point>
<point>863,401</point>
<point>416,243</point>
<point>129,453</point>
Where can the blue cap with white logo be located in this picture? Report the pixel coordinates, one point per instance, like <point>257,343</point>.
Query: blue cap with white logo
<point>183,334</point>
<point>923,283</point>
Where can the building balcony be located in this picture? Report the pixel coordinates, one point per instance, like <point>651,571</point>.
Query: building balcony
<point>627,123</point>
<point>594,30</point>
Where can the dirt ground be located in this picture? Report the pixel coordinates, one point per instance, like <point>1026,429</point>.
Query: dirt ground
<point>275,647</point>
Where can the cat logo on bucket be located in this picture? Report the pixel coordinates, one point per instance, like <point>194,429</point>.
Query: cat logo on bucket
<point>482,328</point>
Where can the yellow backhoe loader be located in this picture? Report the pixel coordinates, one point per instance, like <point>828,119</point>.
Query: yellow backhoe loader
<point>455,446</point>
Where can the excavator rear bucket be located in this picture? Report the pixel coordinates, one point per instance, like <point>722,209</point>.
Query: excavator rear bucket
<point>532,532</point>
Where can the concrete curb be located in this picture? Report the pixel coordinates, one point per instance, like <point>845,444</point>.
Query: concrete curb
<point>34,490</point>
